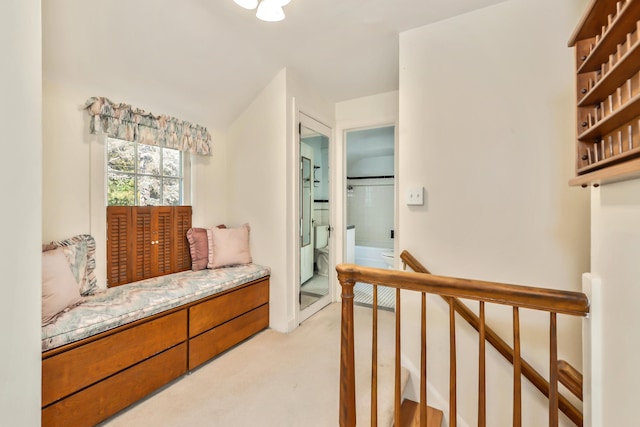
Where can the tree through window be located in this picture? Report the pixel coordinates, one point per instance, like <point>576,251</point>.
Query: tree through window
<point>143,175</point>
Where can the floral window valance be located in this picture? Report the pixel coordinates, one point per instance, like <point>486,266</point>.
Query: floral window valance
<point>122,121</point>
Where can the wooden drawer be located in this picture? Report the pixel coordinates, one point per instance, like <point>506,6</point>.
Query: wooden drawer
<point>100,401</point>
<point>225,336</point>
<point>65,373</point>
<point>223,308</point>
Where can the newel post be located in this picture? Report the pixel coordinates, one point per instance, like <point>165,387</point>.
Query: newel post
<point>347,360</point>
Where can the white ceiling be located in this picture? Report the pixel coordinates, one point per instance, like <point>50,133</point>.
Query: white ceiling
<point>205,60</point>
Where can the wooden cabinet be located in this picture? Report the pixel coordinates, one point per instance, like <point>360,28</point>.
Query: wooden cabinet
<point>607,48</point>
<point>146,241</point>
<point>85,382</point>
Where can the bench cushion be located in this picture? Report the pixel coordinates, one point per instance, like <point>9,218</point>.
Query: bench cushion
<point>127,303</point>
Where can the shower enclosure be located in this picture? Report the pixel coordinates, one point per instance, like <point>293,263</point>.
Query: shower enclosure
<point>371,203</point>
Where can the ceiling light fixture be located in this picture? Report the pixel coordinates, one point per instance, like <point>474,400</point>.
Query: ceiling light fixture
<point>247,4</point>
<point>268,10</point>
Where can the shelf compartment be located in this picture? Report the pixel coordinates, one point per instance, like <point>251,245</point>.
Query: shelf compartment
<point>625,114</point>
<point>594,18</point>
<point>614,173</point>
<point>624,23</point>
<point>610,161</point>
<point>625,69</point>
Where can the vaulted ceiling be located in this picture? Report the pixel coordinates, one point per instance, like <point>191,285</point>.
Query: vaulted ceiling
<point>205,60</point>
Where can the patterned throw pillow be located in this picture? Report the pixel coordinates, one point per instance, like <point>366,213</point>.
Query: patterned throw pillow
<point>80,251</point>
<point>59,287</point>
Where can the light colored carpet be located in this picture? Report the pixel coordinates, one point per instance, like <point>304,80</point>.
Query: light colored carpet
<point>276,379</point>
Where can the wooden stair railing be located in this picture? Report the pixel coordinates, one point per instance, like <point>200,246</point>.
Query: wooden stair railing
<point>568,375</point>
<point>553,301</point>
<point>570,378</point>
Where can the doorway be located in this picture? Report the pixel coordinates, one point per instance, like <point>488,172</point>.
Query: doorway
<point>370,206</point>
<point>314,291</point>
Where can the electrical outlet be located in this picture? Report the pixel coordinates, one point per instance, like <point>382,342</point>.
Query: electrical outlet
<point>415,196</point>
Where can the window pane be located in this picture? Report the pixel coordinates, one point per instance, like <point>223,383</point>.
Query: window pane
<point>121,189</point>
<point>149,190</point>
<point>171,191</point>
<point>121,155</point>
<point>148,159</point>
<point>171,162</point>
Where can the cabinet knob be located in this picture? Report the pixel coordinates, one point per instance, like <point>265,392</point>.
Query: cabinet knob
<point>583,57</point>
<point>583,90</point>
<point>585,157</point>
<point>584,124</point>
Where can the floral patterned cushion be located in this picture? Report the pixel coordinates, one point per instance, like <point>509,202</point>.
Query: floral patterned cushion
<point>127,303</point>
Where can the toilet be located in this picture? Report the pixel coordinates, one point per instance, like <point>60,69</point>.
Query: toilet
<point>321,250</point>
<point>388,258</point>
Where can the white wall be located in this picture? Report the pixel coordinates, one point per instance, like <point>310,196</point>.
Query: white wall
<point>615,258</point>
<point>486,126</point>
<point>209,184</point>
<point>256,159</point>
<point>20,260</point>
<point>262,156</point>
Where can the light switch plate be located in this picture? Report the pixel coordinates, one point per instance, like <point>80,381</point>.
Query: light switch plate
<point>415,196</point>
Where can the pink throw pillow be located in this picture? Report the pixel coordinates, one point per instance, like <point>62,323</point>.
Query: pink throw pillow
<point>59,286</point>
<point>229,247</point>
<point>198,247</point>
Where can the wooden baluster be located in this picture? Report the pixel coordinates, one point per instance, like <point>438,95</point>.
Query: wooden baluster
<point>453,411</point>
<point>347,361</point>
<point>482,388</point>
<point>423,363</point>
<point>374,360</point>
<point>553,373</point>
<point>398,386</point>
<point>517,370</point>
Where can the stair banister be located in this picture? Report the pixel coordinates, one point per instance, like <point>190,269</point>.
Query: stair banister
<point>508,353</point>
<point>550,300</point>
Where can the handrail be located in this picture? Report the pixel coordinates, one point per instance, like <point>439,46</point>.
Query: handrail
<point>506,351</point>
<point>552,301</point>
<point>570,377</point>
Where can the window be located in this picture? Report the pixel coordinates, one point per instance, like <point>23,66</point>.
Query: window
<point>143,175</point>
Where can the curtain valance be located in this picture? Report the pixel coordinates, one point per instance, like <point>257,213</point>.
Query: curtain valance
<point>122,121</point>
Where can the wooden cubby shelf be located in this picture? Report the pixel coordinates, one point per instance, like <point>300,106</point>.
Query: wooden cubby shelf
<point>607,49</point>
<point>624,24</point>
<point>624,115</point>
<point>614,79</point>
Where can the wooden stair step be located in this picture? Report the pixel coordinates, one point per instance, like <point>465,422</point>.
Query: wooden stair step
<point>410,415</point>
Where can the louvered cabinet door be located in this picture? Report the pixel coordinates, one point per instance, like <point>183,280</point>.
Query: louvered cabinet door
<point>118,245</point>
<point>146,241</point>
<point>182,224</point>
<point>142,238</point>
<point>162,241</point>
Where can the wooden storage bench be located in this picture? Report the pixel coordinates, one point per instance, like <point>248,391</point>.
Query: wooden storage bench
<point>86,381</point>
